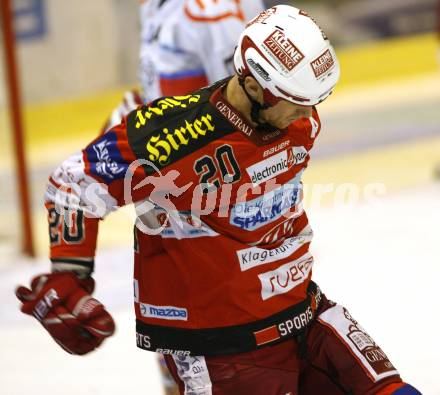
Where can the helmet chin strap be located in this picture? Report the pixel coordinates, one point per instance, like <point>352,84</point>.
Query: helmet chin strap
<point>256,107</point>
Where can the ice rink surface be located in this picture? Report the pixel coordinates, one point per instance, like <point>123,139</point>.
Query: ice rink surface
<point>379,258</point>
<point>380,261</point>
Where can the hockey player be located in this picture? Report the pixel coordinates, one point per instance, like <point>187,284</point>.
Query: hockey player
<point>188,44</point>
<point>222,277</point>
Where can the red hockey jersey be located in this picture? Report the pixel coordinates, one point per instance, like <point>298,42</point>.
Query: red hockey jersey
<point>222,261</point>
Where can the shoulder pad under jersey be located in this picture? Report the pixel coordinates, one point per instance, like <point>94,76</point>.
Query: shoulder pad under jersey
<point>173,127</point>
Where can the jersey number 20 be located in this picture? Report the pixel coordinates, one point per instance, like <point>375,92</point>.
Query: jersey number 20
<point>224,165</point>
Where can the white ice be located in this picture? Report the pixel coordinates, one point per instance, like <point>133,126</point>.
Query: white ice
<point>380,261</point>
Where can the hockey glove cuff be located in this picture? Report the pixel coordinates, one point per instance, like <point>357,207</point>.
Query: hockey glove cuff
<point>62,303</point>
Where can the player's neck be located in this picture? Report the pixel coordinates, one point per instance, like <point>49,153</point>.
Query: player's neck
<point>234,94</point>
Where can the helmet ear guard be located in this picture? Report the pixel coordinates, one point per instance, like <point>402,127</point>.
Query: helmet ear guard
<point>269,99</point>
<point>289,55</point>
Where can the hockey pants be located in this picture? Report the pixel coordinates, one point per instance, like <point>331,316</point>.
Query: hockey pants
<point>335,357</point>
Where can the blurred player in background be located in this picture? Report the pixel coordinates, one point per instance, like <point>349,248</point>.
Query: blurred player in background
<point>184,45</point>
<point>189,44</point>
<point>225,294</point>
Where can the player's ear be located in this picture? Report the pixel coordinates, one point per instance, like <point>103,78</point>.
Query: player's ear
<point>254,89</point>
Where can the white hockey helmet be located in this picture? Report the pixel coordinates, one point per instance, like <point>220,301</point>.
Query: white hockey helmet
<point>289,55</point>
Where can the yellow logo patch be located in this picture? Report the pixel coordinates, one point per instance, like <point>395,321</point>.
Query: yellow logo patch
<point>161,106</point>
<point>163,145</point>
